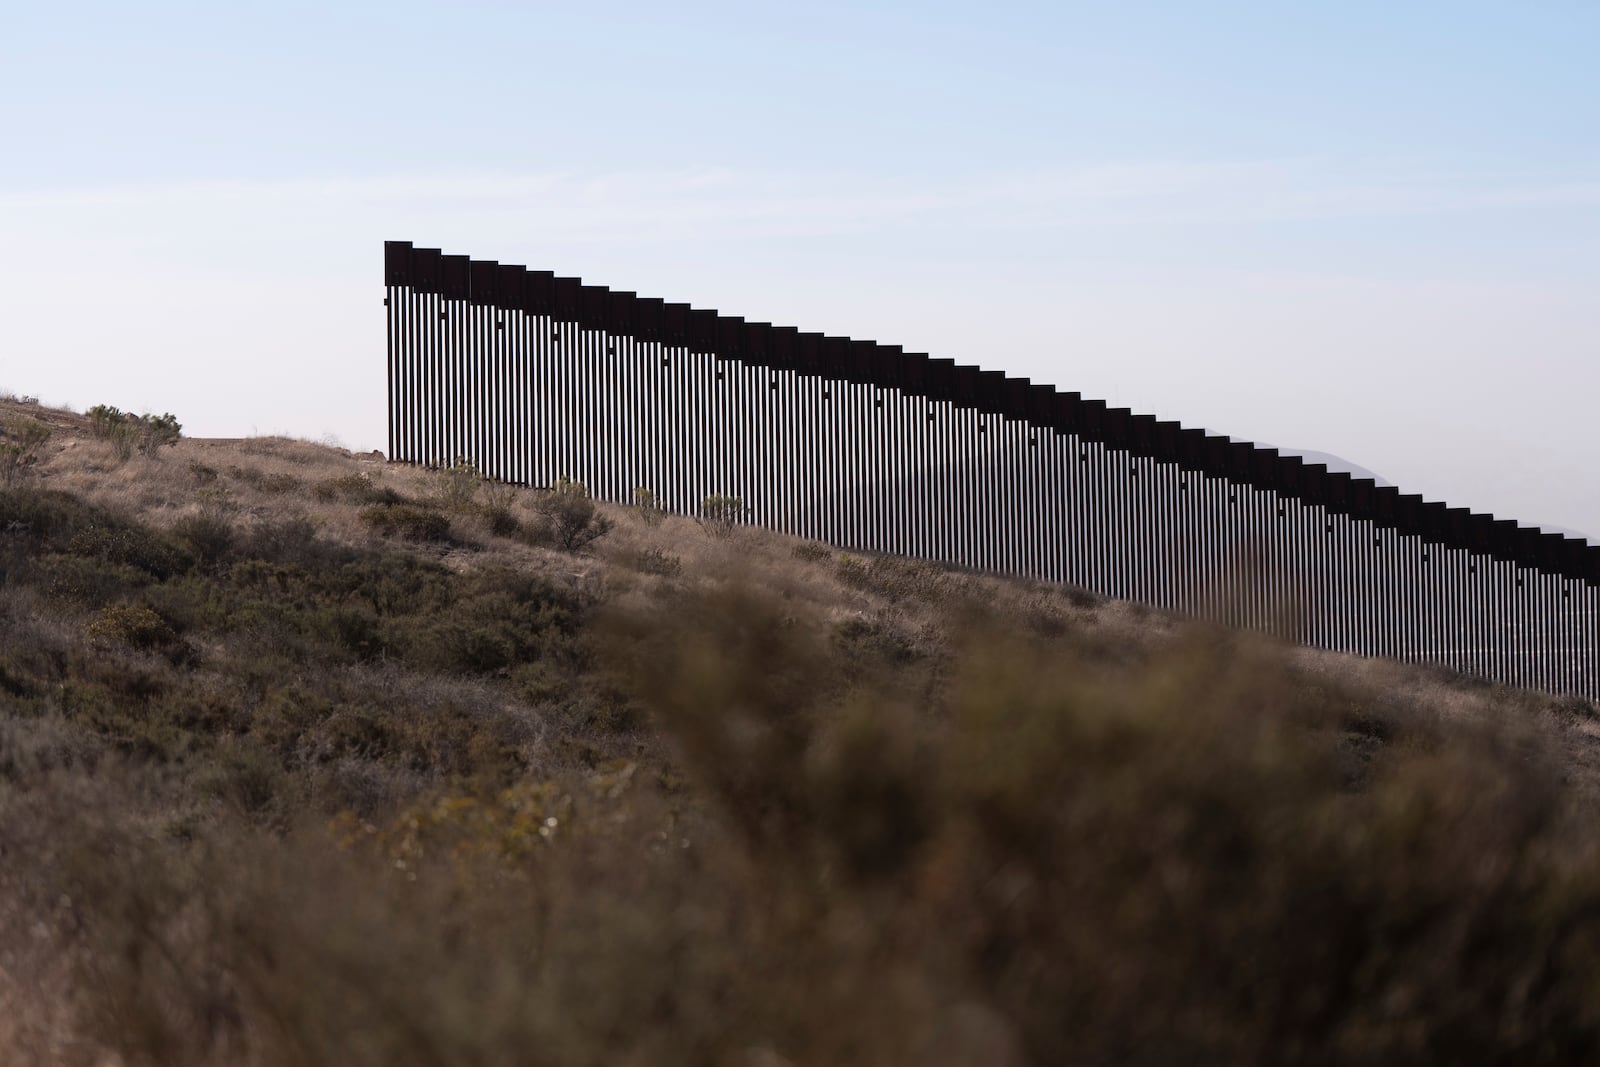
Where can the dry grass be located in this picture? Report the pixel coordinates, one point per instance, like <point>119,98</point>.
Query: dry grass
<point>276,788</point>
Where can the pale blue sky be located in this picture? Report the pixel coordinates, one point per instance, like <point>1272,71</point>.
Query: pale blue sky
<point>1370,229</point>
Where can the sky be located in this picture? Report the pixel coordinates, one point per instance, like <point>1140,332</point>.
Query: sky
<point>1370,229</point>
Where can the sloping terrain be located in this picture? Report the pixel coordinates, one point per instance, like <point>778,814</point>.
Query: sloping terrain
<point>310,759</point>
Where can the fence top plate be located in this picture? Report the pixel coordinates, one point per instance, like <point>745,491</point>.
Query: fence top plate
<point>568,300</point>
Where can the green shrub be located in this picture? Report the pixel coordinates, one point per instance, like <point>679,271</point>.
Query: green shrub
<point>248,777</point>
<point>721,515</point>
<point>45,519</point>
<point>455,488</point>
<point>196,601</point>
<point>894,578</point>
<point>568,518</point>
<point>462,488</point>
<point>124,439</point>
<point>495,500</point>
<point>457,648</point>
<point>495,505</point>
<point>85,580</point>
<point>495,619</point>
<point>208,537</point>
<point>414,522</point>
<point>647,506</point>
<point>41,521</point>
<point>502,522</point>
<point>134,625</point>
<point>156,431</point>
<point>391,583</point>
<point>20,442</point>
<point>877,639</point>
<point>137,546</point>
<point>289,540</point>
<point>1079,597</point>
<point>356,731</point>
<point>127,431</point>
<point>353,629</point>
<point>812,552</point>
<point>127,715</point>
<point>208,534</point>
<point>266,481</point>
<point>359,488</point>
<point>103,420</point>
<point>655,561</point>
<point>541,682</point>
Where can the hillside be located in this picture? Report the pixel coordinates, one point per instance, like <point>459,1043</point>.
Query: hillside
<point>306,758</point>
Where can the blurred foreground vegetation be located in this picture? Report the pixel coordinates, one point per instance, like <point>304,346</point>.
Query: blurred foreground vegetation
<point>272,796</point>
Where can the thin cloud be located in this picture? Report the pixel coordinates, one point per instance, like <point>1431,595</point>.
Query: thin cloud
<point>670,204</point>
